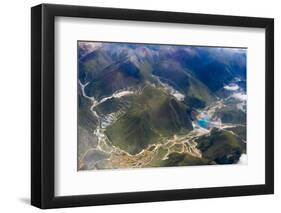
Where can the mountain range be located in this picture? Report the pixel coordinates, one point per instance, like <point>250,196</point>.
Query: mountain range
<point>135,96</point>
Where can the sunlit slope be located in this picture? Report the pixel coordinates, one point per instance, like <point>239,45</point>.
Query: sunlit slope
<point>141,105</point>
<point>152,115</point>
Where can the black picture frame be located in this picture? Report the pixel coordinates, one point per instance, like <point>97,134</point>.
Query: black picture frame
<point>43,102</point>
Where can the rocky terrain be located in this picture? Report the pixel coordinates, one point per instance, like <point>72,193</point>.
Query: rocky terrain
<point>142,105</point>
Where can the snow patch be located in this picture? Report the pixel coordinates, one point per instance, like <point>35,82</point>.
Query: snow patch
<point>240,96</point>
<point>169,89</point>
<point>231,87</point>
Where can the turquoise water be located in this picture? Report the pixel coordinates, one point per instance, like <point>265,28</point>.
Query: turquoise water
<point>203,122</point>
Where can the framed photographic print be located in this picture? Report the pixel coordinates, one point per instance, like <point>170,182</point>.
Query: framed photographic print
<point>140,106</point>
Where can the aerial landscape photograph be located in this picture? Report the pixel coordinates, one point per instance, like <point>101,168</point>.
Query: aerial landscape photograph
<point>160,105</point>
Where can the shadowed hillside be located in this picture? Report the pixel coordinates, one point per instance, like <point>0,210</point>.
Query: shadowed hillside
<point>145,105</point>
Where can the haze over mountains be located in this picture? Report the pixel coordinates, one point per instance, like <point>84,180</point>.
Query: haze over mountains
<point>144,105</point>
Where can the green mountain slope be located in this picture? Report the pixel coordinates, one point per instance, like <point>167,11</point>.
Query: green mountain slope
<point>152,115</point>
<point>221,147</point>
<point>116,77</point>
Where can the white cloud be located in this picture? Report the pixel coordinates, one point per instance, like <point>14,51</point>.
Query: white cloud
<point>241,96</point>
<point>243,159</point>
<point>89,46</point>
<point>231,87</point>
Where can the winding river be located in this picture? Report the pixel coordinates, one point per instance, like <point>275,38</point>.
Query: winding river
<point>178,143</point>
